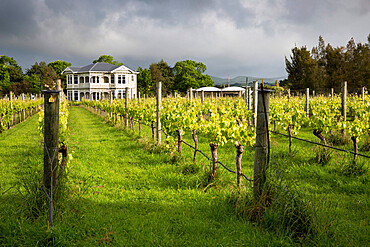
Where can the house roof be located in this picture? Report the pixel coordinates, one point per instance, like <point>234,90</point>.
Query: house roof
<point>98,67</point>
<point>208,89</point>
<point>233,89</point>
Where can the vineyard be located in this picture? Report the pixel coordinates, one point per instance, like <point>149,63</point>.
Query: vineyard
<point>318,162</point>
<point>226,120</point>
<point>13,112</point>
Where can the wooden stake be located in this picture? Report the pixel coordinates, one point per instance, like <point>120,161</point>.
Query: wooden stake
<point>260,157</point>
<point>159,105</point>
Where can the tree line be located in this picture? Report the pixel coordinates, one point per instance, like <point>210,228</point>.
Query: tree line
<point>326,66</point>
<point>41,76</point>
<point>184,75</point>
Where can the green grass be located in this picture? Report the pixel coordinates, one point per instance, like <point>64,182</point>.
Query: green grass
<point>122,190</point>
<point>337,190</point>
<point>117,193</point>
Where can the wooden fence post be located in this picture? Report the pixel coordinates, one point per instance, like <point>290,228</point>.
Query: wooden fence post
<point>344,100</point>
<point>246,89</point>
<point>307,102</point>
<point>202,97</point>
<point>332,93</point>
<point>159,105</point>
<point>363,95</point>
<point>51,135</point>
<point>126,107</point>
<point>191,94</point>
<point>260,156</point>
<point>255,102</point>
<point>51,141</point>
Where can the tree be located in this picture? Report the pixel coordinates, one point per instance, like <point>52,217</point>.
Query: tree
<point>335,67</point>
<point>145,83</point>
<point>189,74</point>
<point>107,59</point>
<point>302,68</point>
<point>328,67</point>
<point>32,84</point>
<point>162,72</point>
<point>47,75</point>
<point>59,66</point>
<point>10,72</point>
<point>319,55</point>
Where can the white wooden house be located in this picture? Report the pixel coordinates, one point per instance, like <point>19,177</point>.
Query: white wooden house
<point>96,81</point>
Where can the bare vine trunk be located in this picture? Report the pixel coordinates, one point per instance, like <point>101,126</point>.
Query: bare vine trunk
<point>318,134</point>
<point>214,158</point>
<point>195,138</point>
<point>132,124</point>
<point>179,141</point>
<point>139,126</point>
<point>153,131</point>
<point>290,127</point>
<point>64,151</point>
<point>355,147</point>
<point>239,154</point>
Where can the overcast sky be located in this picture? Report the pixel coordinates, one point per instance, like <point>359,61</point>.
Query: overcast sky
<point>232,37</point>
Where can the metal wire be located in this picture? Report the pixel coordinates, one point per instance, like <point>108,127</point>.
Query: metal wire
<point>200,151</point>
<point>316,143</point>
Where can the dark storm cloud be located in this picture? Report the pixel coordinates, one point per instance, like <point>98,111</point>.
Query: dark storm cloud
<point>163,12</point>
<point>16,18</point>
<point>227,35</point>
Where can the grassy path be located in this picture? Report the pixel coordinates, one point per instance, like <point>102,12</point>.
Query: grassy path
<point>134,197</point>
<point>20,151</point>
<point>120,194</point>
<point>17,145</point>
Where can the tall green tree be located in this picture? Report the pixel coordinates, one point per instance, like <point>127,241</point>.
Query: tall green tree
<point>319,55</point>
<point>189,74</point>
<point>328,66</point>
<point>335,67</point>
<point>59,66</point>
<point>10,73</point>
<point>145,83</point>
<point>301,69</point>
<point>47,75</point>
<point>107,59</point>
<point>161,71</point>
<point>32,84</point>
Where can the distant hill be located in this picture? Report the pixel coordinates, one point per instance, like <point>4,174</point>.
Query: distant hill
<point>240,80</point>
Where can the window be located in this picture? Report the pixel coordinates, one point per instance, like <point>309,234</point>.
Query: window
<point>82,79</point>
<point>75,96</point>
<point>75,81</point>
<point>121,79</point>
<point>87,79</point>
<point>69,95</point>
<point>119,94</point>
<point>132,78</point>
<point>111,78</point>
<point>69,79</point>
<point>106,79</point>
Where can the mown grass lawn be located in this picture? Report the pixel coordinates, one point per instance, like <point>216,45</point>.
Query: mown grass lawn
<point>117,193</point>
